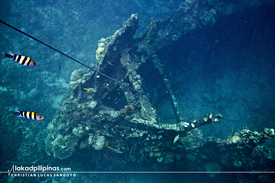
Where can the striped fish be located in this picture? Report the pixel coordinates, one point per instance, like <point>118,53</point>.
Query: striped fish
<point>29,115</point>
<point>23,60</point>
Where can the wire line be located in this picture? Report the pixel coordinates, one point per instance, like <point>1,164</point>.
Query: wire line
<point>22,32</point>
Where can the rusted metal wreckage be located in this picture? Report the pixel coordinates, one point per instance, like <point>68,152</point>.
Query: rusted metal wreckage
<point>115,112</point>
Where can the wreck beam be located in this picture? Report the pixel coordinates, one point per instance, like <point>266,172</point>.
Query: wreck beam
<point>171,94</point>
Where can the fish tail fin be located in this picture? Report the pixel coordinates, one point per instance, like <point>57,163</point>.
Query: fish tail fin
<point>17,113</point>
<point>7,55</point>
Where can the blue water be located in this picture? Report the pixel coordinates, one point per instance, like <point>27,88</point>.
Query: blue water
<point>227,68</point>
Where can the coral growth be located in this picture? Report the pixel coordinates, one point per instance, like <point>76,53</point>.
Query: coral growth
<point>64,146</point>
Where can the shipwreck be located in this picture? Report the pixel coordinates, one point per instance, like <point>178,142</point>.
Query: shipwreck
<point>114,108</point>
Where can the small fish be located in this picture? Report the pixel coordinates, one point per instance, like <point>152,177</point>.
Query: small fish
<point>90,90</point>
<point>176,139</point>
<point>23,60</point>
<point>115,150</point>
<point>29,115</point>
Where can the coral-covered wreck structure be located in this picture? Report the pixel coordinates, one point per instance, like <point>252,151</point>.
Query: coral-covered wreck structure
<point>114,108</point>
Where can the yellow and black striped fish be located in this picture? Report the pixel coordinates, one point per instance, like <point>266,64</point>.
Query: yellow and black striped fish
<point>29,115</point>
<point>23,60</point>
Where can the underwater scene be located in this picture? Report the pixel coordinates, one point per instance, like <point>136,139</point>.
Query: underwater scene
<point>137,91</point>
